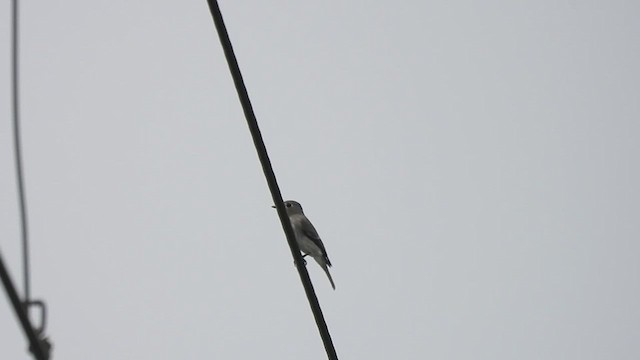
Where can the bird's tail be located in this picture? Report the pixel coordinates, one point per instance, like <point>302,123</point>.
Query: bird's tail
<point>326,271</point>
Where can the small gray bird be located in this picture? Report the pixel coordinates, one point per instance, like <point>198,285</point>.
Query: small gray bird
<point>307,237</point>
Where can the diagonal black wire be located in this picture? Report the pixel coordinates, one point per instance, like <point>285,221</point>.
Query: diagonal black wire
<point>271,178</point>
<point>35,345</point>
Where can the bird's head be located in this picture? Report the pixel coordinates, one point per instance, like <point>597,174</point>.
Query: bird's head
<point>293,207</point>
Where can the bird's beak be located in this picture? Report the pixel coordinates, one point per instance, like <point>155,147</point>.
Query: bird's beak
<point>273,206</point>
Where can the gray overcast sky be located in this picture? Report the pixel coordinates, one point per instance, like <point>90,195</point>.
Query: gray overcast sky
<point>472,167</point>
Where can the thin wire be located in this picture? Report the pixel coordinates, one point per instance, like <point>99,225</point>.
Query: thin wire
<point>18,155</point>
<point>39,344</point>
<point>271,178</point>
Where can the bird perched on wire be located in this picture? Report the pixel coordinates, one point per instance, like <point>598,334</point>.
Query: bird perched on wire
<point>307,237</point>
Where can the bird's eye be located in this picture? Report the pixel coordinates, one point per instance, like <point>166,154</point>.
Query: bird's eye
<point>288,205</point>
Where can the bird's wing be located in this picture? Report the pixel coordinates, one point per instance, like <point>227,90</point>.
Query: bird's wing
<point>312,234</point>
